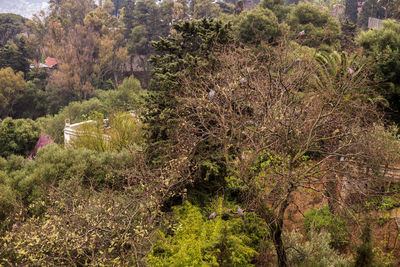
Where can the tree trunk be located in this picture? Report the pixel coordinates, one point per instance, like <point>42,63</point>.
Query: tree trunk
<point>331,189</point>
<point>278,243</point>
<point>276,227</point>
<point>275,223</point>
<point>115,79</point>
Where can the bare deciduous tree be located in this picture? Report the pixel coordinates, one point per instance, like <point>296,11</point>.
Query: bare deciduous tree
<point>281,120</point>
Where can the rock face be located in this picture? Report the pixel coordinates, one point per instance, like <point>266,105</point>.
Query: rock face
<point>24,8</point>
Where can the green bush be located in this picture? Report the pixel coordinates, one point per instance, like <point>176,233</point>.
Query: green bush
<point>258,25</point>
<point>8,201</point>
<point>323,219</point>
<point>388,203</point>
<point>319,26</point>
<point>196,241</point>
<point>125,132</point>
<point>18,136</point>
<point>54,167</point>
<point>316,251</point>
<point>92,228</point>
<point>129,96</point>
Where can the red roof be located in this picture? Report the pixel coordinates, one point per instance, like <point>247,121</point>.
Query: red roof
<point>50,62</point>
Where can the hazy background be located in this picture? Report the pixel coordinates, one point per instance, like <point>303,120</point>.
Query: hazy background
<point>25,8</point>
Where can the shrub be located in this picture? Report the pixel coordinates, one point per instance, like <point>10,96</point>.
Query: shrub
<point>124,132</point>
<point>196,241</point>
<point>320,28</point>
<point>28,182</point>
<point>317,251</point>
<point>18,136</point>
<point>97,229</point>
<point>258,25</point>
<point>323,219</point>
<point>128,96</point>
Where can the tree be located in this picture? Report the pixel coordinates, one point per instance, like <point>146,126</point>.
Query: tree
<point>145,21</point>
<point>275,6</point>
<point>87,55</point>
<point>351,11</point>
<point>15,56</point>
<point>12,86</point>
<point>258,25</point>
<point>10,26</point>
<point>278,123</point>
<point>32,102</point>
<point>18,137</point>
<point>111,58</point>
<point>319,27</point>
<point>69,12</point>
<point>382,47</point>
<point>73,78</point>
<point>193,43</point>
<point>204,9</point>
<point>118,5</point>
<point>38,29</point>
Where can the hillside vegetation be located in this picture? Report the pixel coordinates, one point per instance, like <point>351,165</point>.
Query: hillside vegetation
<point>220,133</point>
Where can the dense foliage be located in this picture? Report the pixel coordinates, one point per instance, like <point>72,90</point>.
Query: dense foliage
<point>222,133</point>
<point>197,241</point>
<point>382,46</point>
<point>18,137</point>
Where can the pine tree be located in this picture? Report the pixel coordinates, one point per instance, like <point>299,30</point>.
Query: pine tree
<point>194,43</point>
<point>15,56</point>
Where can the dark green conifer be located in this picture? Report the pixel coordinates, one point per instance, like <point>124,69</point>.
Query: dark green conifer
<point>351,10</point>
<point>15,56</point>
<point>193,44</point>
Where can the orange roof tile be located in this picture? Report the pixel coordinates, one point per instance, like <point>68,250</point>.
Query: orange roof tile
<point>50,62</point>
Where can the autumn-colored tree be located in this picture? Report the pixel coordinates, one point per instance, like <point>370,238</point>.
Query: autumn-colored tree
<point>111,58</point>
<point>38,30</point>
<point>87,55</point>
<point>70,12</point>
<point>180,10</point>
<point>72,80</point>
